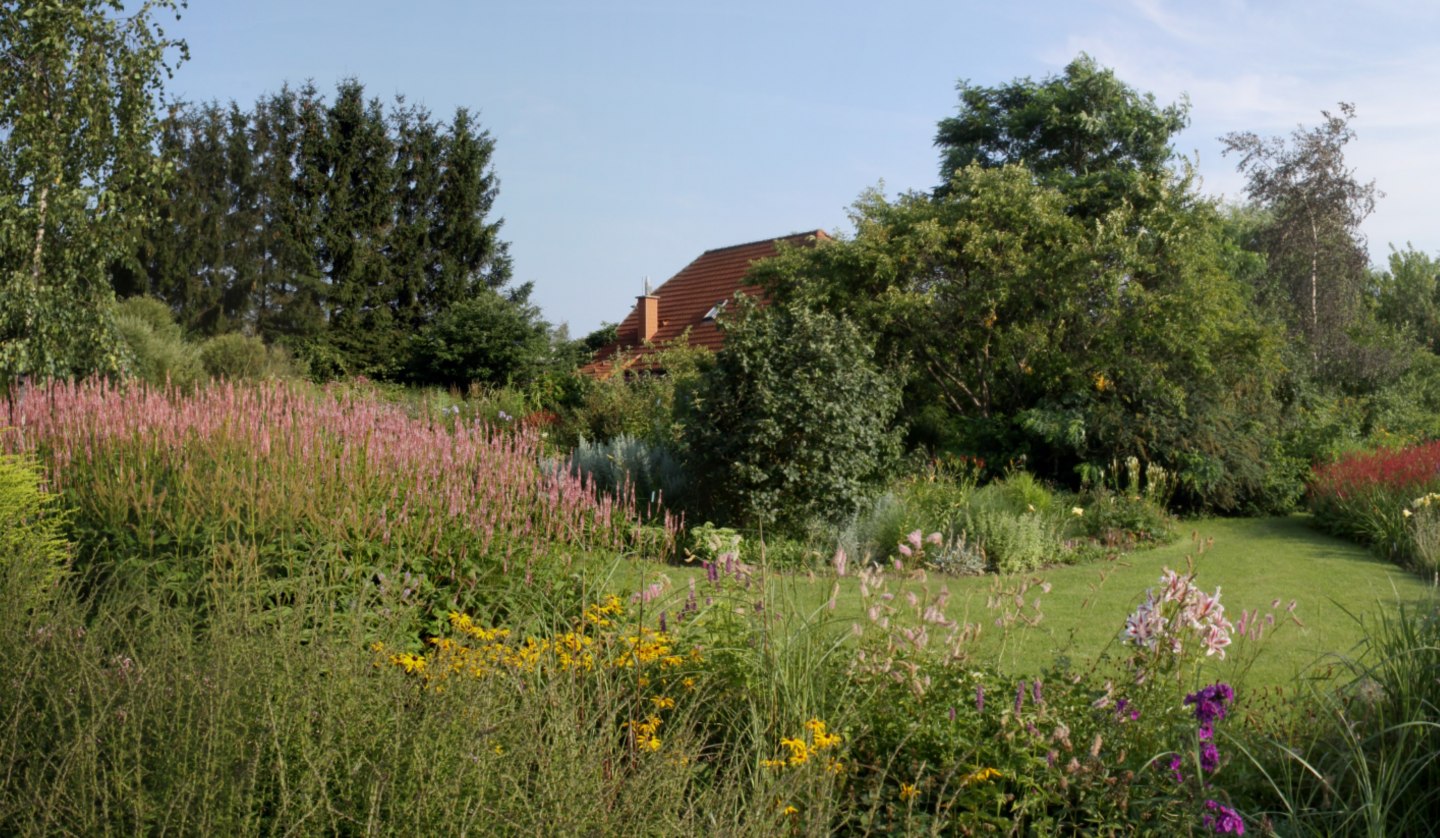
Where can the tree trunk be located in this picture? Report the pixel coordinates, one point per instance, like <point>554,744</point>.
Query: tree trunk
<point>36,264</point>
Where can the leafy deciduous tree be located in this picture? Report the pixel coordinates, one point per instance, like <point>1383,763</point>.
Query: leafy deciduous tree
<point>1316,252</point>
<point>79,82</point>
<point>793,423</point>
<point>1084,132</point>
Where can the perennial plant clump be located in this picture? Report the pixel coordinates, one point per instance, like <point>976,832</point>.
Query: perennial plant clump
<point>161,481</point>
<point>1179,610</point>
<point>1380,498</point>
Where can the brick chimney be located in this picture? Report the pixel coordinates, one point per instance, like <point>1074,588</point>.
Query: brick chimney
<point>648,307</point>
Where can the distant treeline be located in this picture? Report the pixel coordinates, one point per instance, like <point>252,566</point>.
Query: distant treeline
<point>339,228</point>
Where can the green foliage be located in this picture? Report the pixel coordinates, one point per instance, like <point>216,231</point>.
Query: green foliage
<point>1408,296</point>
<point>78,90</point>
<point>1063,340</point>
<point>1013,542</point>
<point>792,424</point>
<point>709,542</point>
<point>245,358</point>
<point>1315,252</point>
<point>489,339</point>
<point>1085,132</point>
<point>158,351</point>
<point>640,402</point>
<point>650,471</point>
<point>1121,519</point>
<point>1365,759</point>
<point>34,556</point>
<point>341,228</point>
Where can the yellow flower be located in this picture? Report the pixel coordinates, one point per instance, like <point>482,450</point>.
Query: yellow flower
<point>688,683</point>
<point>1077,511</point>
<point>411,663</point>
<point>663,702</point>
<point>980,776</point>
<point>835,766</point>
<point>908,792</point>
<point>776,764</point>
<point>799,751</point>
<point>790,810</point>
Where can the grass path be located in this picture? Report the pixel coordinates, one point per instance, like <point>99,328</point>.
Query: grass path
<point>1254,561</point>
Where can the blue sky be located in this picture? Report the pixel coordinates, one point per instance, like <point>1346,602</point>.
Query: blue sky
<point>632,136</point>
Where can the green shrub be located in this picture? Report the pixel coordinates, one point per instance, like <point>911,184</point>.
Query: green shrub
<point>708,542</point>
<point>651,470</point>
<point>1123,520</point>
<point>1014,542</point>
<point>490,338</point>
<point>158,351</point>
<point>872,532</point>
<point>245,358</point>
<point>780,553</point>
<point>34,557</point>
<point>793,424</point>
<point>639,402</point>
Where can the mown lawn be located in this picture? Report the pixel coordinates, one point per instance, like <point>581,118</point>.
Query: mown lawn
<point>1254,561</point>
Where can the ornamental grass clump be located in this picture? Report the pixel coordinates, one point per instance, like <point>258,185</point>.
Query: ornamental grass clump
<point>129,720</point>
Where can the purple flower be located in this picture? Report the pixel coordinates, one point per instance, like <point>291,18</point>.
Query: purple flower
<point>1210,702</point>
<point>1035,694</point>
<point>663,625</point>
<point>952,713</point>
<point>1209,757</point>
<point>1225,821</point>
<point>980,698</point>
<point>1175,763</point>
<point>1020,697</point>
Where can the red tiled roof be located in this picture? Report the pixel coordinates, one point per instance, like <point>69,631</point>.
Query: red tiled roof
<point>688,296</point>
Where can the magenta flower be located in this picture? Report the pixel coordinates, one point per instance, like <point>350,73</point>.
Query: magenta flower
<point>1209,758</point>
<point>1225,821</point>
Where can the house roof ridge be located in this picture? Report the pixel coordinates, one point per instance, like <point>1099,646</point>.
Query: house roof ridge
<point>817,233</point>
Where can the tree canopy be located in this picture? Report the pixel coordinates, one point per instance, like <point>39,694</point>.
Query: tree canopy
<point>339,227</point>
<point>1067,299</point>
<point>1316,251</point>
<point>1084,132</point>
<point>79,85</point>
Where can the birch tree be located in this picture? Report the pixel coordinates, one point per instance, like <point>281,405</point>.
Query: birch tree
<point>79,84</point>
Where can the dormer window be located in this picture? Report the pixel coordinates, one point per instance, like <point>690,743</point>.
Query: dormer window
<point>714,311</point>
